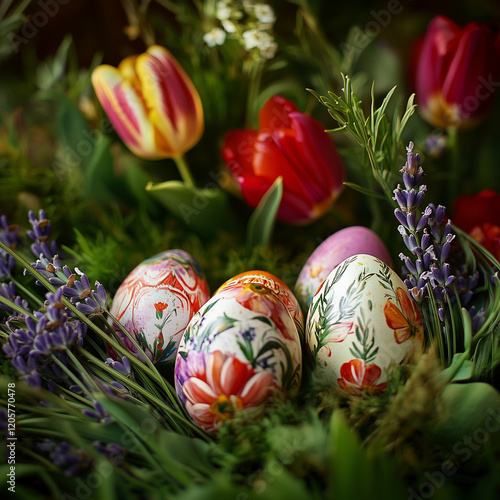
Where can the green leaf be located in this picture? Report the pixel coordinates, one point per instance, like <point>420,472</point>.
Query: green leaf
<point>99,173</point>
<point>51,71</point>
<point>72,131</point>
<point>364,190</point>
<point>205,211</point>
<point>469,410</point>
<point>356,472</point>
<point>460,369</point>
<point>261,222</point>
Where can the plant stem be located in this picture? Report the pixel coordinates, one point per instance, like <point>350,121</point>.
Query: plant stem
<point>253,90</point>
<point>138,388</point>
<point>15,307</point>
<point>157,377</point>
<point>183,169</point>
<point>27,292</point>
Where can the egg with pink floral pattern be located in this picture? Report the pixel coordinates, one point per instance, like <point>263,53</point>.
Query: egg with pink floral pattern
<point>155,303</point>
<point>337,247</point>
<point>361,321</point>
<point>241,348</point>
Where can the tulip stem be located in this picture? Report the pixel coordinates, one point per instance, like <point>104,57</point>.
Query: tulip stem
<point>253,92</point>
<point>183,169</point>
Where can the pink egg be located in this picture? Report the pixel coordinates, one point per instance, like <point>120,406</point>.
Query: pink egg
<point>335,249</point>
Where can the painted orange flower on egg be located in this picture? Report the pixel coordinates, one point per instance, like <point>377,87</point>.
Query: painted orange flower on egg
<point>260,300</point>
<point>404,320</point>
<point>220,386</point>
<point>357,376</point>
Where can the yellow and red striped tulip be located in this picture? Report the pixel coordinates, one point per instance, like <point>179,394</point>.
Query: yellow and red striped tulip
<point>152,104</point>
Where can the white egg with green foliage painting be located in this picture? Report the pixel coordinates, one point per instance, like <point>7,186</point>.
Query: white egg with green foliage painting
<point>360,322</point>
<point>240,349</point>
<point>156,301</point>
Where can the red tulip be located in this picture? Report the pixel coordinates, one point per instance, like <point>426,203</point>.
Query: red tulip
<point>479,216</point>
<point>294,146</point>
<point>457,73</point>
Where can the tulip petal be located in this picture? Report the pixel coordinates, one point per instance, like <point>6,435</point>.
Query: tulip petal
<point>172,99</point>
<point>474,210</point>
<point>470,63</point>
<point>317,149</point>
<point>237,151</point>
<point>125,110</point>
<point>275,114</point>
<point>275,155</point>
<point>435,55</point>
<point>292,209</point>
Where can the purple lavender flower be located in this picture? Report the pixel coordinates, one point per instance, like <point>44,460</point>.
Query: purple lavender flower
<point>71,460</point>
<point>40,234</point>
<point>8,236</point>
<point>8,291</point>
<point>99,414</point>
<point>50,334</point>
<point>124,367</point>
<point>425,236</point>
<point>112,451</point>
<point>428,236</point>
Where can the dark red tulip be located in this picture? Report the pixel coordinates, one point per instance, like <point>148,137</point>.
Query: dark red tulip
<point>457,73</point>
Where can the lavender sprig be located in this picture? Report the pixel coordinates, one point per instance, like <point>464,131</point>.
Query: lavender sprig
<point>10,237</point>
<point>429,237</point>
<point>8,291</point>
<point>68,458</point>
<point>87,300</point>
<point>50,333</point>
<point>40,234</point>
<point>426,236</point>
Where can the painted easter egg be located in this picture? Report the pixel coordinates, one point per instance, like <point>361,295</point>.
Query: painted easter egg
<point>362,320</point>
<point>340,245</point>
<point>273,283</point>
<point>239,349</point>
<point>156,302</point>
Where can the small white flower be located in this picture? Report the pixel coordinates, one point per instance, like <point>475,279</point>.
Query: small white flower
<point>257,38</point>
<point>223,11</point>
<point>270,51</point>
<point>229,26</point>
<point>214,37</point>
<point>264,13</point>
